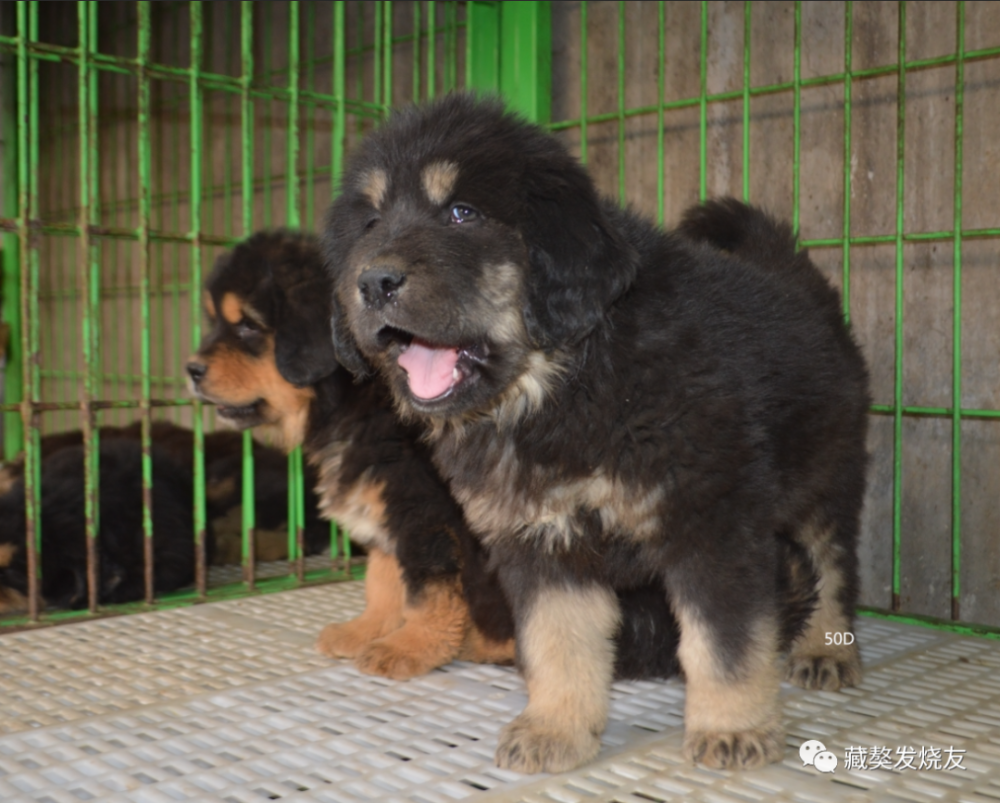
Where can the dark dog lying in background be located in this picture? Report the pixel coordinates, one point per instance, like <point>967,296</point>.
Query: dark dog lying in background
<point>268,363</point>
<point>223,486</point>
<point>120,534</point>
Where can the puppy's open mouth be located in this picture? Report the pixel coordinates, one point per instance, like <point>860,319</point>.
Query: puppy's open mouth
<point>237,414</point>
<point>434,371</point>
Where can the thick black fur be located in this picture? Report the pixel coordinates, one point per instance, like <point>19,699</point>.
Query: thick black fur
<point>120,535</point>
<point>429,536</point>
<point>710,365</point>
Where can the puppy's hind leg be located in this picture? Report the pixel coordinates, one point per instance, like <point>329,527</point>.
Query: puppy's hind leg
<point>729,651</point>
<point>433,630</point>
<point>825,655</point>
<point>566,652</point>
<point>384,597</point>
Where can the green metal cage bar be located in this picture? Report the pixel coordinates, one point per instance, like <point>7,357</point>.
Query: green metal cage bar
<point>899,237</point>
<point>166,219</point>
<point>508,49</point>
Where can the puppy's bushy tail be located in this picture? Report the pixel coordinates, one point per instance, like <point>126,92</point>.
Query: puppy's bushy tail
<point>740,229</point>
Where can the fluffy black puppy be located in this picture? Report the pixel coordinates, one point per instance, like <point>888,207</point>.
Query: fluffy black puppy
<point>120,535</point>
<point>268,362</point>
<point>613,405</point>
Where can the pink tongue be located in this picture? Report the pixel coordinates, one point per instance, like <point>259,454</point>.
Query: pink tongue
<point>429,369</point>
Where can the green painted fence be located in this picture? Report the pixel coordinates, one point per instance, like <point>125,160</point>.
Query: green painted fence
<point>288,87</point>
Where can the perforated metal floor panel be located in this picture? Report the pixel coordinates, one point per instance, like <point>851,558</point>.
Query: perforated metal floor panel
<point>229,702</point>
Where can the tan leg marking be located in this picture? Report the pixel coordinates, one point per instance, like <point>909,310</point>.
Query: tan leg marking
<point>568,655</point>
<point>814,664</point>
<point>483,650</point>
<point>731,714</point>
<point>384,597</point>
<point>432,634</point>
<point>439,180</point>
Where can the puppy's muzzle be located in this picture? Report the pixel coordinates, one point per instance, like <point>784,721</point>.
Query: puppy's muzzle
<point>380,285</point>
<point>196,370</point>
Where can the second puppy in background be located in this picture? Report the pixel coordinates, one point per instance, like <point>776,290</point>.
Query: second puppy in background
<point>268,362</point>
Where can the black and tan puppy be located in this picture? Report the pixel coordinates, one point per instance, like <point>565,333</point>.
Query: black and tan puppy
<point>121,574</point>
<point>612,405</point>
<point>268,363</point>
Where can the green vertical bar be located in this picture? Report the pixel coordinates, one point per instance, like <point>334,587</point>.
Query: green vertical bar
<point>956,390</point>
<point>431,49</point>
<point>848,87</point>
<point>482,45</point>
<point>621,102</point>
<point>89,266</point>
<point>10,269</point>
<point>296,520</point>
<point>703,106</point>
<point>292,136</point>
<point>522,69</point>
<point>416,50</point>
<point>310,127</point>
<point>583,82</point>
<point>27,186</point>
<point>450,46</point>
<point>897,441</point>
<point>195,198</point>
<point>377,54</point>
<point>339,93</point>
<point>145,206</point>
<point>526,58</point>
<point>339,131</point>
<point>246,175</point>
<point>796,116</point>
<point>387,56</point>
<point>661,59</point>
<point>747,17</point>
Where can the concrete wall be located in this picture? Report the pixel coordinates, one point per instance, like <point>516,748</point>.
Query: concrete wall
<point>928,204</point>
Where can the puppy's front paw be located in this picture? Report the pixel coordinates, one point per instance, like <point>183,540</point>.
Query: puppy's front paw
<point>386,658</point>
<point>824,672</point>
<point>527,746</point>
<point>743,750</point>
<point>345,639</point>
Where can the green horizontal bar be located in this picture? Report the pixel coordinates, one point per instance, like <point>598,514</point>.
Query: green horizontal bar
<point>122,404</point>
<point>54,373</point>
<point>888,409</point>
<point>784,86</point>
<point>962,628</point>
<point>109,233</point>
<point>123,65</point>
<point>184,598</point>
<point>876,239</point>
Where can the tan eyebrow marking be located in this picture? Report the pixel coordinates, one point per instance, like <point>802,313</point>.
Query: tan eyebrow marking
<point>439,180</point>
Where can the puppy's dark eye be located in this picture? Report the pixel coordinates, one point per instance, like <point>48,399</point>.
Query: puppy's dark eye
<point>460,213</point>
<point>247,328</point>
<point>371,224</point>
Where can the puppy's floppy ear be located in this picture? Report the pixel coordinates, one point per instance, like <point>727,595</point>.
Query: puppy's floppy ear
<point>303,350</point>
<point>344,344</point>
<point>580,262</point>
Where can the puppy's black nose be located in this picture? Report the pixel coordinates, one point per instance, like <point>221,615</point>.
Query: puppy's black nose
<point>380,285</point>
<point>197,371</point>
